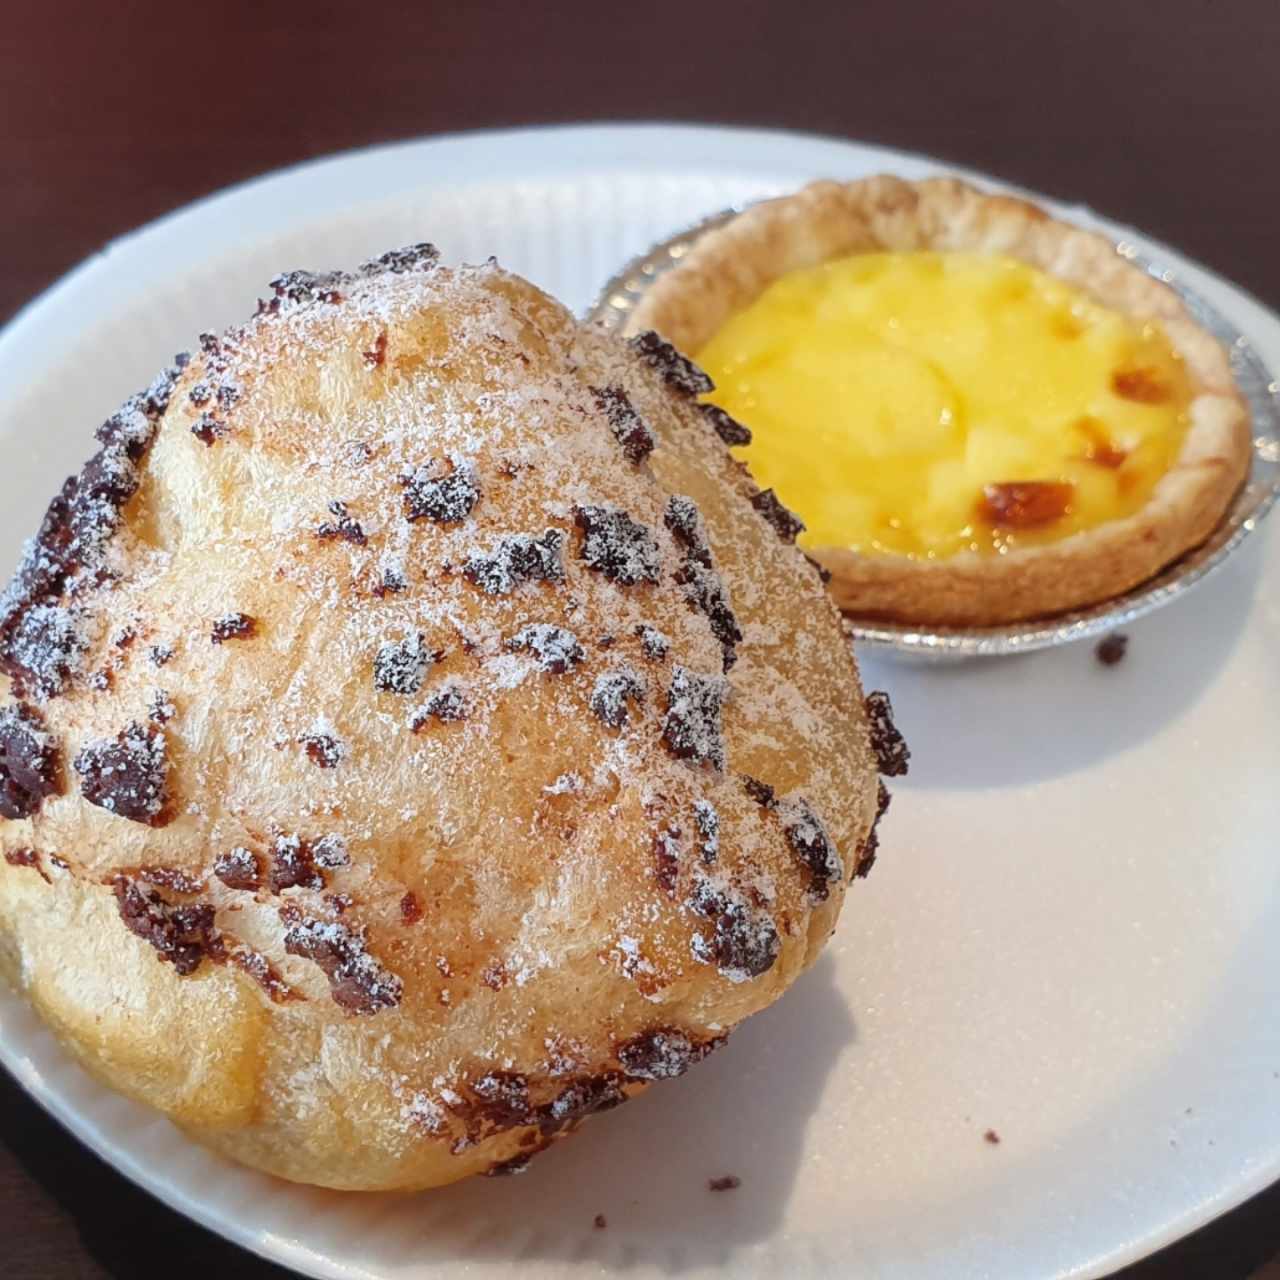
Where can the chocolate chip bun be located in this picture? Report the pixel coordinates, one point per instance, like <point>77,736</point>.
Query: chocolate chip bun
<point>418,734</point>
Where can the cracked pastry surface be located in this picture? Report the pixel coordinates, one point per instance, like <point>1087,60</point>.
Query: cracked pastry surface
<point>415,736</point>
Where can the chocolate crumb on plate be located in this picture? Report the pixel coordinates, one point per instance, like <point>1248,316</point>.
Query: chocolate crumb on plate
<point>991,1137</point>
<point>1112,649</point>
<point>729,1182</point>
<point>599,1222</point>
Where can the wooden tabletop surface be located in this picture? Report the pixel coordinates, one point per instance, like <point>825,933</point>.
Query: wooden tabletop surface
<point>1164,116</point>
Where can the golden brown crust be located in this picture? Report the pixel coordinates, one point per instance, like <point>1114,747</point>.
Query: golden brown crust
<point>730,266</point>
<point>378,912</point>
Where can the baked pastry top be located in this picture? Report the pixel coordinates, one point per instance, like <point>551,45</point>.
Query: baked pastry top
<point>415,736</point>
<point>933,375</point>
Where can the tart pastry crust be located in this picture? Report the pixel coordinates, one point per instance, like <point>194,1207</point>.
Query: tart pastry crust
<point>731,266</point>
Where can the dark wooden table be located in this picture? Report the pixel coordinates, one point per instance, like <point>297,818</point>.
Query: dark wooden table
<point>1166,116</point>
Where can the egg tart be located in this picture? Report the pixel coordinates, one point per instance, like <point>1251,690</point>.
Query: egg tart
<point>982,414</point>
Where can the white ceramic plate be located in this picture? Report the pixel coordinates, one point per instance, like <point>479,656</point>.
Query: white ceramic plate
<point>1072,937</point>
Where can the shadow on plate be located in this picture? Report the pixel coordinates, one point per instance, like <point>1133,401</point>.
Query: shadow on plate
<point>1001,722</point>
<point>646,1167</point>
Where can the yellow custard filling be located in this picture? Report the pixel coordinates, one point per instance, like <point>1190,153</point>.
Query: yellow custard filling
<point>930,403</point>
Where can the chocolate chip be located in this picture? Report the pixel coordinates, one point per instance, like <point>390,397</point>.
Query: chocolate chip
<point>703,587</point>
<point>447,498</point>
<point>510,1168</point>
<point>890,748</point>
<point>786,524</point>
<point>160,654</point>
<point>260,969</point>
<point>614,544</point>
<point>677,370</point>
<point>745,940</point>
<point>691,729</point>
<point>1112,649</point>
<point>761,792</point>
<point>323,749</point>
<point>555,648</point>
<point>376,356</point>
<point>517,559</point>
<point>613,690</point>
<point>128,775</point>
<point>502,1099</point>
<point>811,847</point>
<point>653,644</point>
<point>820,569</point>
<point>446,704</point>
<point>342,526</point>
<point>293,866</point>
<point>239,868</point>
<point>160,709</point>
<point>208,430</point>
<point>233,626</point>
<point>172,878</point>
<point>43,651</point>
<point>629,428</point>
<point>393,580</point>
<point>586,1096</point>
<point>663,1053</point>
<point>708,820</point>
<point>330,852</point>
<point>730,430</point>
<point>413,257</point>
<point>298,288</point>
<point>184,936</point>
<point>410,908</point>
<point>26,858</point>
<point>357,982</point>
<point>28,762</point>
<point>666,857</point>
<point>684,521</point>
<point>705,591</point>
<point>400,666</point>
<point>870,846</point>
